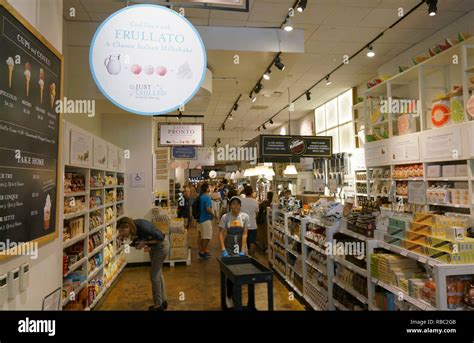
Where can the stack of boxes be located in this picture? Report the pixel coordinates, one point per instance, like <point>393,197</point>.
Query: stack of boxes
<point>442,238</point>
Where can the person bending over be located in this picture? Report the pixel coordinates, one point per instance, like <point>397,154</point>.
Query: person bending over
<point>143,234</point>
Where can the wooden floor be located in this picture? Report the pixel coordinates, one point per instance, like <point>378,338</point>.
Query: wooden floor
<point>198,284</point>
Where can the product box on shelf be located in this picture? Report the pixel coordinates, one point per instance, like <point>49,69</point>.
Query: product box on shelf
<point>433,171</point>
<point>461,170</point>
<point>180,253</point>
<point>178,240</point>
<point>449,170</point>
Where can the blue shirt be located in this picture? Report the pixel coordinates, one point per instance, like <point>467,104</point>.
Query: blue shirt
<point>146,231</point>
<point>205,202</point>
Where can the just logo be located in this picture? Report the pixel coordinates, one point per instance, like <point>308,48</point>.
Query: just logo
<point>37,326</point>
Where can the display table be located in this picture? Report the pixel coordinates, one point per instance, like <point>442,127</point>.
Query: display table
<point>243,270</point>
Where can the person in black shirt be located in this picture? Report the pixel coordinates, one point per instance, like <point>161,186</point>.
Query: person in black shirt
<point>143,234</point>
<point>184,210</point>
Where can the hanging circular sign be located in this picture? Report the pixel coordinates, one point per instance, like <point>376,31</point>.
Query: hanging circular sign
<point>147,59</point>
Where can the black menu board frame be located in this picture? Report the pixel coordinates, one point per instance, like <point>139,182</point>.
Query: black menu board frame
<point>30,134</point>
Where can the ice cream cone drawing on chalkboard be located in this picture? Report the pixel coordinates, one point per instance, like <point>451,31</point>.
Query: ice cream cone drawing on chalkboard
<point>11,65</point>
<point>28,78</point>
<point>41,84</point>
<point>52,91</point>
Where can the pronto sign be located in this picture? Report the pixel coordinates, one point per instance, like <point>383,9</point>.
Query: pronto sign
<point>180,134</point>
<point>147,59</point>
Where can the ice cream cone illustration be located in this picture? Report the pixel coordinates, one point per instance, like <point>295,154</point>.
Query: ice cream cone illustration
<point>28,78</point>
<point>11,65</point>
<point>47,213</point>
<point>41,84</point>
<point>52,91</point>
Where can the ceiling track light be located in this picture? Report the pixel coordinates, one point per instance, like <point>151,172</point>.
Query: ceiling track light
<point>370,52</point>
<point>258,129</point>
<point>264,127</point>
<point>231,117</point>
<point>254,98</point>
<point>271,122</point>
<point>328,82</point>
<point>266,76</point>
<point>279,64</point>
<point>223,127</point>
<point>432,7</point>
<point>258,88</point>
<point>288,27</point>
<point>236,107</point>
<point>308,95</point>
<point>218,141</point>
<point>301,5</point>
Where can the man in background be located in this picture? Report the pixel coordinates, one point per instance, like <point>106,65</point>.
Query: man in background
<point>250,207</point>
<point>204,222</point>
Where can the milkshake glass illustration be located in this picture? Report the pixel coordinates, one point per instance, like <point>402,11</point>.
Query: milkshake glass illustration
<point>11,65</point>
<point>47,213</point>
<point>112,63</point>
<point>28,78</point>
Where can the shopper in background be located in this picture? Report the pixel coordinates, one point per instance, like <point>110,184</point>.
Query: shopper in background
<point>184,210</point>
<point>233,237</point>
<point>216,203</point>
<point>143,234</point>
<point>262,238</point>
<point>250,206</point>
<point>192,199</point>
<point>204,222</point>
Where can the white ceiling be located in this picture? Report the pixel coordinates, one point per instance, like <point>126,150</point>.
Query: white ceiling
<point>333,28</point>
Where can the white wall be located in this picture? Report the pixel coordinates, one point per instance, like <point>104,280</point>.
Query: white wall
<point>46,271</point>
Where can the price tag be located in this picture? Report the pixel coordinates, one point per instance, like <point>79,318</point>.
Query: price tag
<point>422,260</point>
<point>375,281</point>
<point>404,253</point>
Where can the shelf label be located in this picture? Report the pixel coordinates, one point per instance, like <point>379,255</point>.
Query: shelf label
<point>422,260</point>
<point>440,143</point>
<point>405,148</point>
<point>404,253</point>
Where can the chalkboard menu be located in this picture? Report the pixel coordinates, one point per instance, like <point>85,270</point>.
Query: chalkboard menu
<point>30,81</point>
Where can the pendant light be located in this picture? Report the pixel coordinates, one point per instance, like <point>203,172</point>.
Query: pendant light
<point>290,170</point>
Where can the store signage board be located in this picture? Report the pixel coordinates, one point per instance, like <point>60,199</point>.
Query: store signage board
<point>376,153</point>
<point>444,143</point>
<point>180,135</point>
<point>470,133</point>
<point>205,158</point>
<point>405,148</point>
<point>80,149</point>
<point>147,59</point>
<point>184,153</point>
<point>100,153</point>
<point>296,146</point>
<point>112,157</point>
<point>30,82</point>
<point>417,192</point>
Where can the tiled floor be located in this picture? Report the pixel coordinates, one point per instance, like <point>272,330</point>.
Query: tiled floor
<point>194,287</point>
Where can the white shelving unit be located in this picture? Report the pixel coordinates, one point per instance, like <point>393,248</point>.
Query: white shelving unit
<point>104,271</point>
